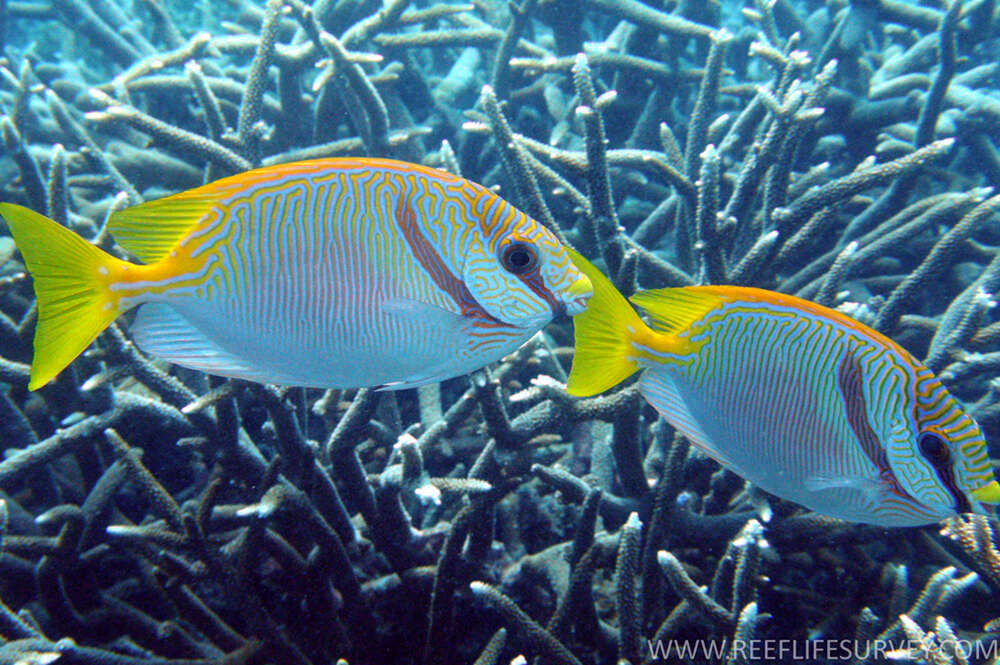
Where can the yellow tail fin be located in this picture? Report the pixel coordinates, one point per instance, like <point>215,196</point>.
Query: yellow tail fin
<point>71,287</point>
<point>603,335</point>
<point>610,337</point>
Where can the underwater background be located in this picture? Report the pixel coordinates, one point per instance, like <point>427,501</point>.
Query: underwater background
<point>842,151</point>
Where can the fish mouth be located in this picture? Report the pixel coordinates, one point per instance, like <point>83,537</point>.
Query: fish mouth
<point>578,295</point>
<point>988,493</point>
<point>577,305</point>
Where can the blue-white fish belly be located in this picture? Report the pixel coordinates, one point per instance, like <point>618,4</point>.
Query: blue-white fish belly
<point>347,348</point>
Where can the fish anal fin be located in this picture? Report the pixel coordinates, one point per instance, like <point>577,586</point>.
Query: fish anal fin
<point>668,400</point>
<point>161,331</point>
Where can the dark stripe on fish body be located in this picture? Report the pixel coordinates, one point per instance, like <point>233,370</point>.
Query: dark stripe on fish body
<point>849,381</point>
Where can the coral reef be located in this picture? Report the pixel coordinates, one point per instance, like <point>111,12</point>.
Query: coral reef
<point>843,151</point>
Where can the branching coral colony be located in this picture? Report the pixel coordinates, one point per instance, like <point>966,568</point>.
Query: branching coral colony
<point>841,151</point>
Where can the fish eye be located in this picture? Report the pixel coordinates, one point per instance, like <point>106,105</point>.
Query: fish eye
<point>519,258</point>
<point>933,448</point>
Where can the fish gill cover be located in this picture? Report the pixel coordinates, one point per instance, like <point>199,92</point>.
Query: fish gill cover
<point>839,151</point>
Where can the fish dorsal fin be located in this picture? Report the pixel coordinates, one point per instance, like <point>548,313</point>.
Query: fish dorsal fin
<point>151,229</point>
<point>672,311</point>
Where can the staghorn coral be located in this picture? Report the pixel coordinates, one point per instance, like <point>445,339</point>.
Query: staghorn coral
<point>839,151</point>
<point>974,533</point>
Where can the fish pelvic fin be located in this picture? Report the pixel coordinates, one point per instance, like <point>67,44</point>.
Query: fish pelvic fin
<point>611,341</point>
<point>71,281</point>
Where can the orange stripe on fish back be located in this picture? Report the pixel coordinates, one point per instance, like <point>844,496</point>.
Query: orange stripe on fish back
<point>751,294</point>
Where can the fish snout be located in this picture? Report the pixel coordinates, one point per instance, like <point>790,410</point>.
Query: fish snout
<point>577,295</point>
<point>988,493</point>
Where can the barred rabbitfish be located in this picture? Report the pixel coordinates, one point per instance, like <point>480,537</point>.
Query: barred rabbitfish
<point>800,400</point>
<point>326,273</point>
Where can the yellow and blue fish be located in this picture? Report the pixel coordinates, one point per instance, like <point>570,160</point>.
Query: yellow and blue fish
<point>801,400</point>
<point>325,273</point>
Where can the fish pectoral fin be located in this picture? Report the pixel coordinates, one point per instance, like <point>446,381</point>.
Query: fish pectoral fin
<point>869,486</point>
<point>450,329</point>
<point>415,382</point>
<point>161,331</point>
<point>428,314</point>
